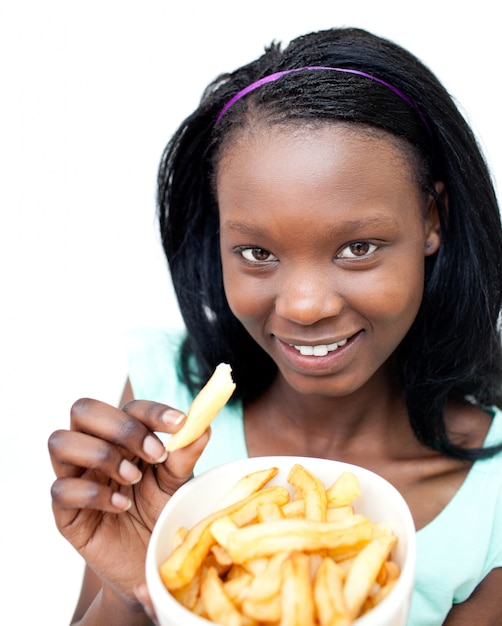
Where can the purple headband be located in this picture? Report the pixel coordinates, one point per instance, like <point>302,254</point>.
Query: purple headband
<point>273,77</point>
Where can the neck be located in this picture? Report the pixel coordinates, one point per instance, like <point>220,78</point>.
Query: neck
<point>345,428</point>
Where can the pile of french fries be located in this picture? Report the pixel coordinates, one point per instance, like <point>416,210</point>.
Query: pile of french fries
<point>270,555</point>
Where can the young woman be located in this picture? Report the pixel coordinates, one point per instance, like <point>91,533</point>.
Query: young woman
<point>333,234</point>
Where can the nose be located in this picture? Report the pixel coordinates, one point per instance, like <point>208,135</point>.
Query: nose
<point>307,297</point>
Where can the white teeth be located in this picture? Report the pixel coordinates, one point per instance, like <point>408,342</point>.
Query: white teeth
<point>306,350</point>
<point>320,350</point>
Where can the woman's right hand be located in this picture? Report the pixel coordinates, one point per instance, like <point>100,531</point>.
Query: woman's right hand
<point>113,479</point>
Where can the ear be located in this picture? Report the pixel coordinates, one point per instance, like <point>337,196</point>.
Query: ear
<point>432,223</point>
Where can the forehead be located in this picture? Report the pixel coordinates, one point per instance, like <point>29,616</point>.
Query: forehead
<point>287,157</point>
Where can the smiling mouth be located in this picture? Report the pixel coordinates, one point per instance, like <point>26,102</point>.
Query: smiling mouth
<point>320,349</point>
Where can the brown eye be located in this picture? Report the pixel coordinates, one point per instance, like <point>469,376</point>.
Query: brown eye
<point>257,255</point>
<point>357,249</point>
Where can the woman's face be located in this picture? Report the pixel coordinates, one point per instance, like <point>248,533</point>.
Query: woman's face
<point>323,237</point>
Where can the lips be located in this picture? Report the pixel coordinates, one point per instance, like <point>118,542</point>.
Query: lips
<point>316,358</point>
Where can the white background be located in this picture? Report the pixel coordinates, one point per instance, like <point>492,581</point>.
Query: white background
<point>90,92</point>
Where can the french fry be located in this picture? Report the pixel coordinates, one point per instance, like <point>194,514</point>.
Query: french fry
<point>328,594</point>
<point>221,529</point>
<point>344,490</point>
<point>393,571</point>
<point>294,508</point>
<point>297,600</point>
<point>288,535</point>
<point>179,569</point>
<point>179,536</point>
<point>256,567</point>
<point>221,556</point>
<point>316,559</point>
<point>363,573</point>
<point>263,611</point>
<point>212,561</point>
<point>247,485</point>
<point>346,563</point>
<point>236,587</point>
<point>267,584</point>
<point>204,408</point>
<point>334,513</point>
<point>187,596</point>
<point>236,571</point>
<point>269,511</point>
<point>218,605</point>
<point>200,609</point>
<point>248,510</point>
<point>312,491</point>
<point>381,530</point>
<point>382,593</point>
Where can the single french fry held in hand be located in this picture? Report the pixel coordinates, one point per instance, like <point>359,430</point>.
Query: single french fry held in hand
<point>204,408</point>
<point>279,557</point>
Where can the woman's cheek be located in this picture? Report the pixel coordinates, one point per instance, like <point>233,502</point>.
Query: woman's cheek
<point>249,300</point>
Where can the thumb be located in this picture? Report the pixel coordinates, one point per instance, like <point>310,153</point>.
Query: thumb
<point>177,469</point>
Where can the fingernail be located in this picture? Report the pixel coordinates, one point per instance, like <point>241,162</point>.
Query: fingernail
<point>143,597</point>
<point>129,472</point>
<point>172,418</point>
<point>140,591</point>
<point>120,501</point>
<point>154,448</point>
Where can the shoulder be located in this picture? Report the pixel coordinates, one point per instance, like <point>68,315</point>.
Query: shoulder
<point>462,546</point>
<point>471,426</point>
<point>481,493</point>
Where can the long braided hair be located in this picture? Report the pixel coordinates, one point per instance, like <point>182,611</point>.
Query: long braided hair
<point>453,348</point>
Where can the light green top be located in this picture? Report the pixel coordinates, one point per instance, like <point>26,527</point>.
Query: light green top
<point>455,551</point>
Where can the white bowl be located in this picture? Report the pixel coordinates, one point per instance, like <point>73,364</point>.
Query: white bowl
<point>379,501</point>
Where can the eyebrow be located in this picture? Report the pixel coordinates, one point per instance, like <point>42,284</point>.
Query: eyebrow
<point>242,227</point>
<point>253,230</point>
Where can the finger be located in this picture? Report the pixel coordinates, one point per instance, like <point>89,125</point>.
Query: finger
<point>143,597</point>
<point>131,432</point>
<point>69,494</point>
<point>73,452</point>
<point>155,415</point>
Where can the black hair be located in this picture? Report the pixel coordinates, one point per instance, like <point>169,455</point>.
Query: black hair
<point>453,348</point>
